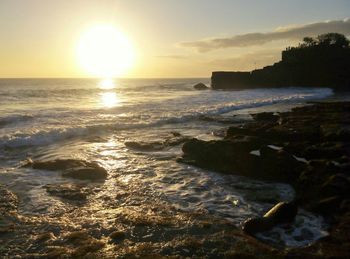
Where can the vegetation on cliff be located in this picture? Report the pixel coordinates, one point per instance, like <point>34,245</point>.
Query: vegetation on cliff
<point>323,61</point>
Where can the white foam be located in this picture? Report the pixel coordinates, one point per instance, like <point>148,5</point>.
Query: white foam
<point>306,229</point>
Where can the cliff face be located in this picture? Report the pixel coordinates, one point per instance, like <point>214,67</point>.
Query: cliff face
<point>318,66</point>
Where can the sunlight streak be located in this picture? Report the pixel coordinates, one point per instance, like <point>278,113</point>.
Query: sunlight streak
<point>107,83</point>
<point>109,99</point>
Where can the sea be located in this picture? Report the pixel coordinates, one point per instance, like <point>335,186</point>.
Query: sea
<point>91,119</point>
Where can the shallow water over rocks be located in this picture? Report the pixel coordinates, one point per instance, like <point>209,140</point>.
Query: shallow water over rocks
<point>148,203</point>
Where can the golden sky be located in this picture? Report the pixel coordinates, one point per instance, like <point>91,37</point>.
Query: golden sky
<point>171,38</point>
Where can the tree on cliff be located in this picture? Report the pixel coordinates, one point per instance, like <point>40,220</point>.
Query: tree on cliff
<point>326,40</point>
<point>308,42</point>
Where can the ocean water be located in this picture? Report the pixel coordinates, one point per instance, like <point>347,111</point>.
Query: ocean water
<point>91,119</point>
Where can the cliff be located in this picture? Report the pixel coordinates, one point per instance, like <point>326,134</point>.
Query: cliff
<point>316,65</point>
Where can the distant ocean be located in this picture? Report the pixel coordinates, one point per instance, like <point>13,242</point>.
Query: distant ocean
<point>91,119</point>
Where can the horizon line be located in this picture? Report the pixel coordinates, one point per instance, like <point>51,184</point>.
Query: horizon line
<point>101,78</point>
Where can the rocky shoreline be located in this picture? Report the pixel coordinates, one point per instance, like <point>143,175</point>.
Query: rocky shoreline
<point>308,147</point>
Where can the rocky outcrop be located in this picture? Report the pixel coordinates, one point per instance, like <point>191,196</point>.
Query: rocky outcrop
<point>312,66</point>
<point>237,156</point>
<point>8,210</point>
<point>173,140</point>
<point>71,192</point>
<point>281,213</point>
<point>200,86</point>
<point>73,168</point>
<point>308,147</point>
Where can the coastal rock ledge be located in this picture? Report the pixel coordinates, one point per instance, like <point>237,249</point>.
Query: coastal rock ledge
<point>309,148</point>
<point>324,62</point>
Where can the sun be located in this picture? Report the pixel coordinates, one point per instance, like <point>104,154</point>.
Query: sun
<point>104,51</point>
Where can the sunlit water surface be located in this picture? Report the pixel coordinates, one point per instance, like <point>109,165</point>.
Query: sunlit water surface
<point>91,119</point>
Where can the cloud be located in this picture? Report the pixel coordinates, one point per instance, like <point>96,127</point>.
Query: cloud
<point>282,33</point>
<point>172,56</point>
<point>247,61</point>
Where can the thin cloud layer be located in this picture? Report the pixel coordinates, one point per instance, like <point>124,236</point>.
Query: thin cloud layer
<point>247,61</point>
<point>253,39</point>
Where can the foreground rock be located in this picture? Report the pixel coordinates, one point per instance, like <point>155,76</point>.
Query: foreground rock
<point>200,86</point>
<point>72,192</point>
<point>308,147</point>
<point>8,210</point>
<point>78,169</point>
<point>171,141</point>
<point>236,156</point>
<point>281,213</point>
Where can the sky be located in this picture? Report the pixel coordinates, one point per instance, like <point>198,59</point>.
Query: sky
<point>171,38</point>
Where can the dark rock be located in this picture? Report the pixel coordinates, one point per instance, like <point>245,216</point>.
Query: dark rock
<point>117,235</point>
<point>77,192</point>
<point>44,237</point>
<point>255,225</point>
<point>73,168</point>
<point>313,66</point>
<point>265,116</point>
<point>293,132</point>
<point>335,132</point>
<point>8,210</point>
<point>249,129</point>
<point>176,134</point>
<point>174,140</point>
<point>153,146</point>
<point>233,156</point>
<point>338,184</point>
<point>86,173</point>
<point>326,150</point>
<point>281,213</point>
<point>318,133</point>
<point>234,131</point>
<point>8,201</point>
<point>200,86</point>
<point>328,206</point>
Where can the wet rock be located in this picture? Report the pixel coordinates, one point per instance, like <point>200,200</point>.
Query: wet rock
<point>117,235</point>
<point>281,213</point>
<point>45,237</point>
<point>78,169</point>
<point>326,150</point>
<point>295,131</point>
<point>265,116</point>
<point>328,206</point>
<point>174,140</point>
<point>8,210</point>
<point>86,173</point>
<point>234,156</point>
<point>338,184</point>
<point>82,244</point>
<point>233,131</point>
<point>335,132</point>
<point>8,201</point>
<point>73,192</point>
<point>200,86</point>
<point>218,119</point>
<point>142,146</point>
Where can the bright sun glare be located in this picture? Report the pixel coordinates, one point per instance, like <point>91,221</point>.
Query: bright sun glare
<point>103,51</point>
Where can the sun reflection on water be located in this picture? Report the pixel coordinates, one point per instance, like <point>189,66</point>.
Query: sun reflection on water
<point>109,99</point>
<point>107,83</point>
